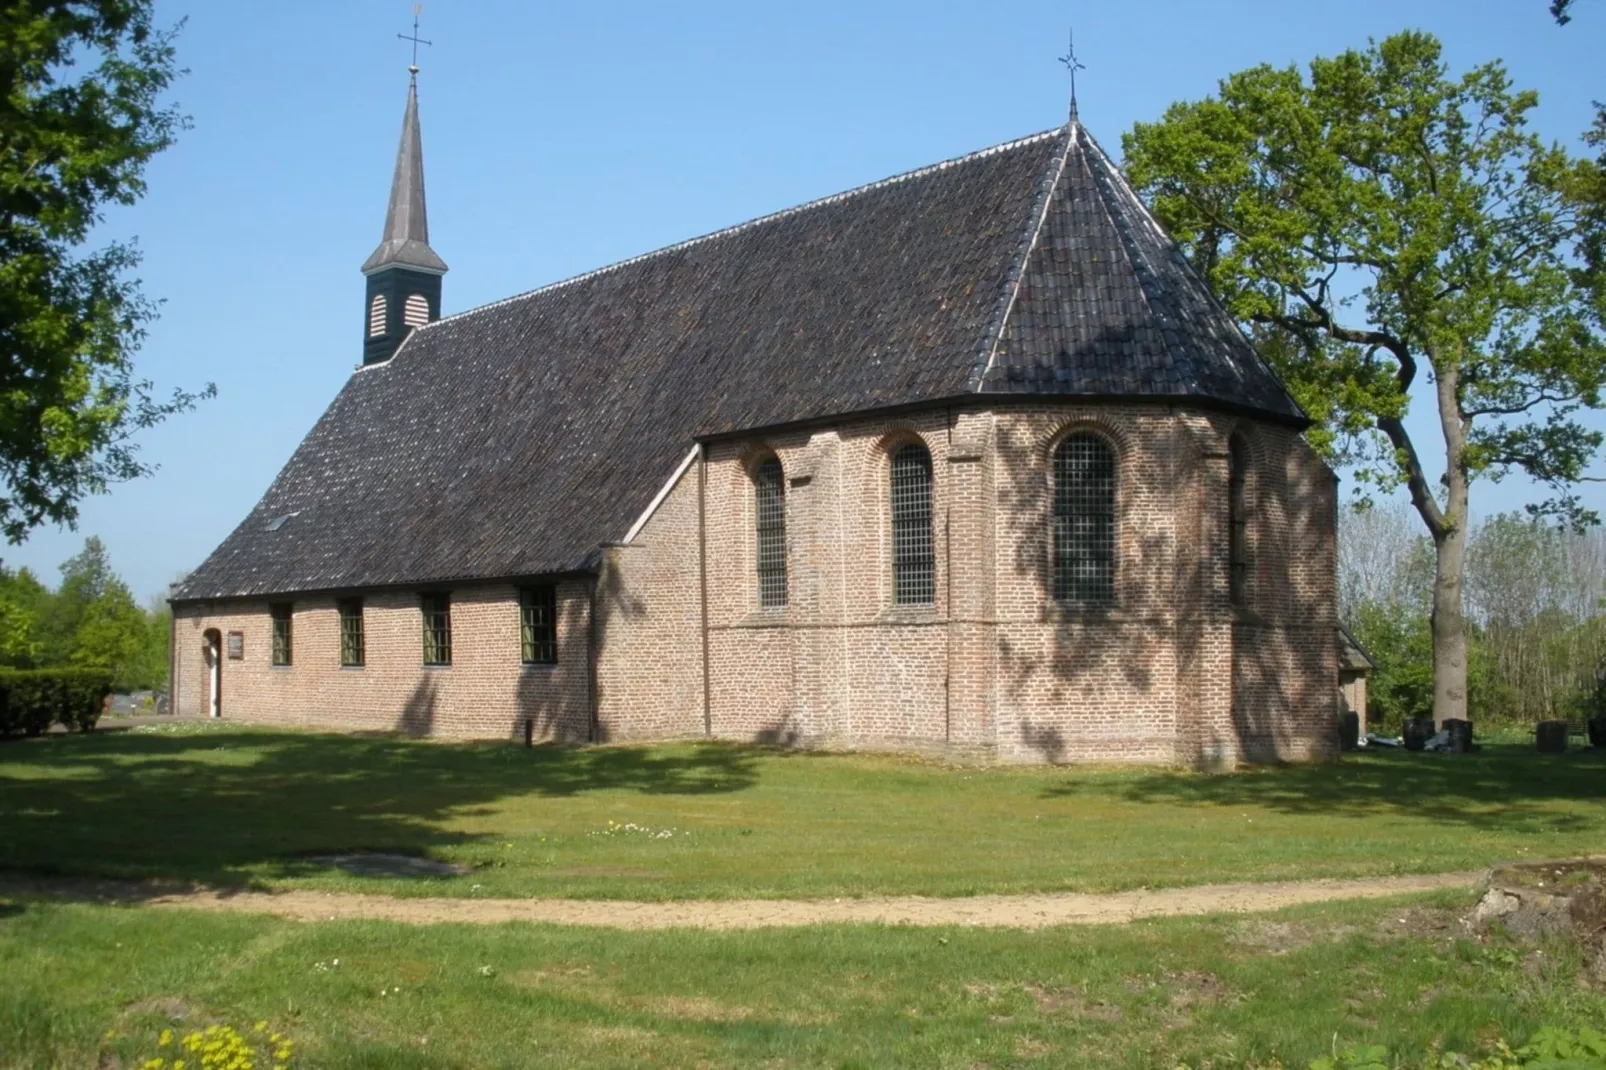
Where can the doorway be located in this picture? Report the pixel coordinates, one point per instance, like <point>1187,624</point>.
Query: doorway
<point>213,641</point>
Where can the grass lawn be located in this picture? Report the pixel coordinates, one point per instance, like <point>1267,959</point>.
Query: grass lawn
<point>226,804</point>
<point>1209,992</point>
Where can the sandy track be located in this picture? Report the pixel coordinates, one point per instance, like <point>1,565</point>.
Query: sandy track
<point>985,911</point>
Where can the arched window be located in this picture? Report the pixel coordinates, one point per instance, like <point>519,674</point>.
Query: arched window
<point>1084,520</point>
<point>1237,522</point>
<point>376,316</point>
<point>415,310</point>
<point>913,568</point>
<point>769,497</point>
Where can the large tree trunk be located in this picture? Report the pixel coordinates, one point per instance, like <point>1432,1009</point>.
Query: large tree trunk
<point>1450,542</point>
<point>1449,627</point>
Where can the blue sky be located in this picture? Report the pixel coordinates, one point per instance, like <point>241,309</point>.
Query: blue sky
<point>559,138</point>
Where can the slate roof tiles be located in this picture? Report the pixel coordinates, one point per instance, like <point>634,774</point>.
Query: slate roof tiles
<point>513,439</point>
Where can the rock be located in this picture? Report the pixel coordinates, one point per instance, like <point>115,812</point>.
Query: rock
<point>1537,902</point>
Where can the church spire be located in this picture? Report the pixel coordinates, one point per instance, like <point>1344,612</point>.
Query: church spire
<point>406,239</point>
<point>404,273</point>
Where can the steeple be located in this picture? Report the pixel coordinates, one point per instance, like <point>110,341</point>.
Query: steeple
<point>406,238</point>
<point>404,273</point>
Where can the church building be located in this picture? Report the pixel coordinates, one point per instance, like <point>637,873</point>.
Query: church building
<point>964,462</point>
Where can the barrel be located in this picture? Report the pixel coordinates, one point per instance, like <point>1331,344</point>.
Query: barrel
<point>1551,737</point>
<point>1418,730</point>
<point>1460,735</point>
<point>1349,730</point>
<point>1597,731</point>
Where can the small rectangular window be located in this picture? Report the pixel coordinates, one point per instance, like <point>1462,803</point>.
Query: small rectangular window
<point>538,624</point>
<point>437,629</point>
<point>351,641</point>
<point>281,614</point>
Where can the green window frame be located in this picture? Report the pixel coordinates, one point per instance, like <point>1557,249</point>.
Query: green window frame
<point>538,624</point>
<point>282,615</point>
<point>352,652</point>
<point>437,614</point>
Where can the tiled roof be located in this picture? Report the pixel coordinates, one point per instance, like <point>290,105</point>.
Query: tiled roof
<point>513,439</point>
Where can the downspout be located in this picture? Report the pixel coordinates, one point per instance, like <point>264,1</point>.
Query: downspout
<point>702,577</point>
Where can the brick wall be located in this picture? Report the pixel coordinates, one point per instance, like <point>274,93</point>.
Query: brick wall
<point>1173,671</point>
<point>485,692</point>
<point>650,625</point>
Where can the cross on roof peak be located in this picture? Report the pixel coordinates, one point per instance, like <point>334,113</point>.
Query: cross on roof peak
<point>1072,64</point>
<point>412,68</point>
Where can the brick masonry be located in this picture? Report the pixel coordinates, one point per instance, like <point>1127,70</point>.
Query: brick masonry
<point>667,640</point>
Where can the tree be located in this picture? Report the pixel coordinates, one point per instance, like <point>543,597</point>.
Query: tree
<point>1381,227</point>
<point>1561,10</point>
<point>80,117</point>
<point>1383,560</point>
<point>112,635</point>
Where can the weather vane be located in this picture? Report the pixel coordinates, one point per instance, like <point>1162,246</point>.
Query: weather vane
<point>1073,65</point>
<point>418,9</point>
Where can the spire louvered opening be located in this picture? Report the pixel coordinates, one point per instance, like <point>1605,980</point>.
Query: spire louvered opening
<point>376,316</point>
<point>1084,520</point>
<point>769,496</point>
<point>415,312</point>
<point>913,565</point>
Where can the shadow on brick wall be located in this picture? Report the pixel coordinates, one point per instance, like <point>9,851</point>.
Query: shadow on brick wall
<point>418,714</point>
<point>1092,663</point>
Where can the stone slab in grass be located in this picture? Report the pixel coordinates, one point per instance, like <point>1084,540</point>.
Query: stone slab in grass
<point>381,864</point>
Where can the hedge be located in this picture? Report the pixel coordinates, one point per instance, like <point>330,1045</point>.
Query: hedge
<point>33,698</point>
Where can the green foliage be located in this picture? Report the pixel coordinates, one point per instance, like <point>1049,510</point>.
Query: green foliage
<point>91,622</point>
<point>1401,643</point>
<point>1381,214</point>
<point>80,117</point>
<point>32,699</point>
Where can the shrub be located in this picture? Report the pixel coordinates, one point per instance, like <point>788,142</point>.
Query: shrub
<point>31,699</point>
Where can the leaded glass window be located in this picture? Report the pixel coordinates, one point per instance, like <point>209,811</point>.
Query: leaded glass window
<point>538,624</point>
<point>437,611</point>
<point>281,615</point>
<point>913,566</point>
<point>769,498</point>
<point>1237,522</point>
<point>1084,520</point>
<point>351,638</point>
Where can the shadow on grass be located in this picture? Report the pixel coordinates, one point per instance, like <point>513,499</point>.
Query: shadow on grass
<point>222,807</point>
<point>1503,788</point>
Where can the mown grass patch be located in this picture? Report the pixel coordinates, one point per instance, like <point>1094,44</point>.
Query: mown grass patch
<point>224,804</point>
<point>1209,992</point>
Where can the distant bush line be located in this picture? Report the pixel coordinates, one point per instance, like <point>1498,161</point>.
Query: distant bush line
<point>31,700</point>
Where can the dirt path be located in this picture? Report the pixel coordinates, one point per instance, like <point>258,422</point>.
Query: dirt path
<point>984,911</point>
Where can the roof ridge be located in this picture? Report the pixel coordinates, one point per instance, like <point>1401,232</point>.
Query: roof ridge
<point>1175,253</point>
<point>1017,274</point>
<point>785,213</point>
<point>1140,268</point>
